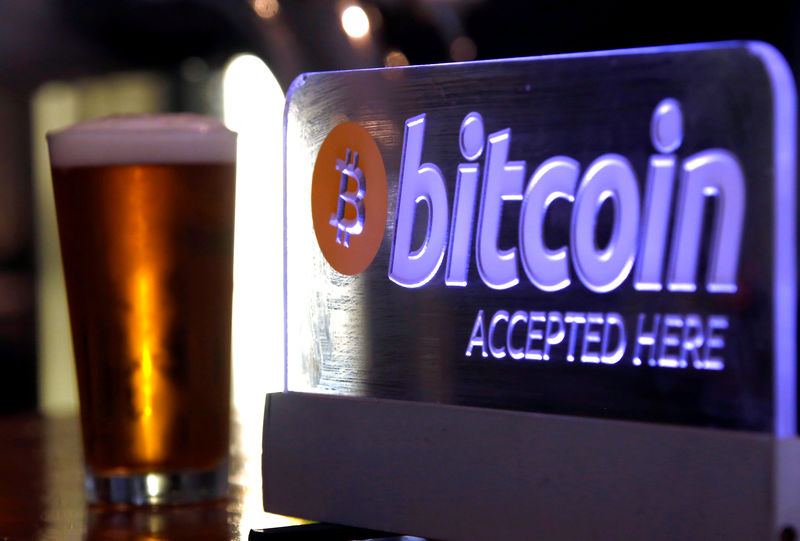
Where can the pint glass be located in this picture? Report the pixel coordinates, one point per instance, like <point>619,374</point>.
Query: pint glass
<point>145,208</point>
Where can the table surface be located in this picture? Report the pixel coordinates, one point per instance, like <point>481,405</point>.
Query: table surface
<point>41,491</point>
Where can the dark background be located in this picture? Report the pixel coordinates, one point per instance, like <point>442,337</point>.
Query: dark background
<point>44,40</point>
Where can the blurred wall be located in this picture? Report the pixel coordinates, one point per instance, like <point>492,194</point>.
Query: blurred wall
<point>18,367</point>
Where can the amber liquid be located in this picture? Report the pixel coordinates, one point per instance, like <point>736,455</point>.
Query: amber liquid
<point>148,262</point>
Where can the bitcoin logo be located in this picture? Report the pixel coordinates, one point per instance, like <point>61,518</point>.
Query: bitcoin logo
<point>345,227</point>
<point>349,193</point>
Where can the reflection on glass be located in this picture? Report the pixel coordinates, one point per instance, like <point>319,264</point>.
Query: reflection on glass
<point>191,523</point>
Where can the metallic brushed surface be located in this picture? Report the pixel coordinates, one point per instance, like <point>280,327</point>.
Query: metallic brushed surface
<point>366,336</point>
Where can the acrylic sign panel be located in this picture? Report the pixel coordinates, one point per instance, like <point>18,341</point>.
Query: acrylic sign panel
<point>607,234</point>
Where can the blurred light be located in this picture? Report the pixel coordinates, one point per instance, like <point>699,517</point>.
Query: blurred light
<point>463,49</point>
<point>395,58</point>
<point>152,484</point>
<point>355,22</point>
<point>253,107</point>
<point>266,9</point>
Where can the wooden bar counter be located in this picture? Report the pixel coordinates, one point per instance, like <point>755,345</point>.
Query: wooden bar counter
<point>41,492</point>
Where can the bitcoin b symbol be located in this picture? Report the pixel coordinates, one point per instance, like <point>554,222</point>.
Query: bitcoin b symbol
<point>339,198</point>
<point>345,226</point>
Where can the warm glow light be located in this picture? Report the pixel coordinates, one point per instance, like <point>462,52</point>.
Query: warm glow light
<point>394,59</point>
<point>253,107</point>
<point>147,362</point>
<point>266,9</point>
<point>145,320</point>
<point>152,484</point>
<point>355,22</point>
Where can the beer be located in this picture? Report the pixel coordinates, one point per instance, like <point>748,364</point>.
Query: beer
<point>145,209</point>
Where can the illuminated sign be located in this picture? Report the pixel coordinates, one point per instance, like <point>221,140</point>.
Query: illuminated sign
<point>710,173</point>
<point>606,235</point>
<point>349,221</point>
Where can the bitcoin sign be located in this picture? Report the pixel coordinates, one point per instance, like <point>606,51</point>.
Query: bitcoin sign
<point>349,218</point>
<point>596,235</point>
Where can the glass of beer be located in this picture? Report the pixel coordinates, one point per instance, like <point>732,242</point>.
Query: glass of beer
<point>145,208</point>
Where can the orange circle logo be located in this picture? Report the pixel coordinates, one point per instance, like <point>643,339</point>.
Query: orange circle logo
<point>349,198</point>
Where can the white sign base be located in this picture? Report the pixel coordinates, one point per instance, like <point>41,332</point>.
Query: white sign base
<point>458,473</point>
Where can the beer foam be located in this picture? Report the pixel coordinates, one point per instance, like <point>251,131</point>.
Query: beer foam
<point>138,139</point>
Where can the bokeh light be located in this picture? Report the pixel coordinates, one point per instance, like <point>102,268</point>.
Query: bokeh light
<point>463,49</point>
<point>266,9</point>
<point>355,22</point>
<point>395,58</point>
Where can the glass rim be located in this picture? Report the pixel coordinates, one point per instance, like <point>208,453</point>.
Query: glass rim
<point>166,138</point>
